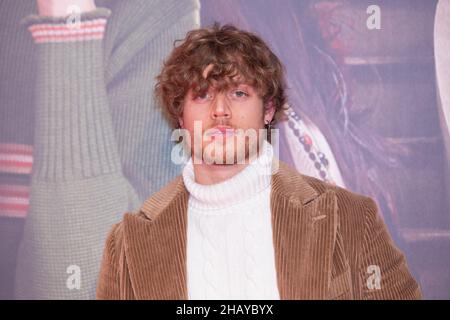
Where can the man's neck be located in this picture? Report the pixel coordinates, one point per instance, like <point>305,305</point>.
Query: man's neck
<point>215,173</point>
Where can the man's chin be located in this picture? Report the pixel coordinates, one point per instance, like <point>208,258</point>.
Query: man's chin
<point>219,152</point>
<point>223,160</point>
<point>225,156</point>
<point>215,163</point>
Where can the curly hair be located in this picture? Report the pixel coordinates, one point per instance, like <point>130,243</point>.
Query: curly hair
<point>235,54</point>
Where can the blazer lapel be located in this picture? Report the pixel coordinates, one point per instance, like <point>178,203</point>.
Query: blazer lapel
<point>304,224</point>
<point>155,245</point>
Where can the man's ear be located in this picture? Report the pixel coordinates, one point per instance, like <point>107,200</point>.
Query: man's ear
<point>269,111</point>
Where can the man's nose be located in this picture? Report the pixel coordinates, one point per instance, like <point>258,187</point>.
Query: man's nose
<point>220,107</point>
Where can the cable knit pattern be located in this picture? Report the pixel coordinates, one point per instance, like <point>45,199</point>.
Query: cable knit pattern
<point>230,251</point>
<point>252,245</point>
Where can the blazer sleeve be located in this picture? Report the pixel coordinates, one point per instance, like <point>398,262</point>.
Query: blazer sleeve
<point>383,270</point>
<point>108,287</point>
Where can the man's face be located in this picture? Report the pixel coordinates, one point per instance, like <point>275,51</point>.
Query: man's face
<point>220,114</point>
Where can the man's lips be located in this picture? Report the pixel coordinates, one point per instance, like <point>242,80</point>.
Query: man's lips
<point>220,131</point>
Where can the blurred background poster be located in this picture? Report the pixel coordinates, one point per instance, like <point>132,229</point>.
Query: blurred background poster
<point>369,90</point>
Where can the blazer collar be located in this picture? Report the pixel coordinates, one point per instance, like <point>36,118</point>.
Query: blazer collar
<point>285,182</point>
<point>304,223</point>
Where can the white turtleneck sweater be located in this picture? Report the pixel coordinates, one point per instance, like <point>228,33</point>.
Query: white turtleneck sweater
<point>230,252</point>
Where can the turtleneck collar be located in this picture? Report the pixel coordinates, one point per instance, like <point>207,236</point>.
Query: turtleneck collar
<point>253,179</point>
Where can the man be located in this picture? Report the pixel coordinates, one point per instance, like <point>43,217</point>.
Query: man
<point>238,224</point>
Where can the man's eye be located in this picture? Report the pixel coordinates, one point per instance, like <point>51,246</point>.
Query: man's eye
<point>240,93</point>
<point>203,96</point>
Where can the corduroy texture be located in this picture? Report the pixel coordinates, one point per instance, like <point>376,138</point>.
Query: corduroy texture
<point>325,238</point>
<point>101,143</point>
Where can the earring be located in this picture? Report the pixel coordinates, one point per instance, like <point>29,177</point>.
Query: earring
<point>179,127</point>
<point>268,127</point>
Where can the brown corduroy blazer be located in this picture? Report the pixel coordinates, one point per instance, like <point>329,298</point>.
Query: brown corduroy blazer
<point>328,242</point>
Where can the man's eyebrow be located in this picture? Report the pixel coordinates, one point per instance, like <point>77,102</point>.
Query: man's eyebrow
<point>245,85</point>
<point>240,83</point>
